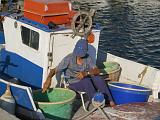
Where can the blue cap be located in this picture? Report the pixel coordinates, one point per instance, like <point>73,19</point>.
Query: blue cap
<point>81,48</point>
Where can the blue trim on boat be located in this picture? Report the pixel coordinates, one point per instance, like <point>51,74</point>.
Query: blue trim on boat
<point>35,24</point>
<point>2,40</point>
<point>21,68</point>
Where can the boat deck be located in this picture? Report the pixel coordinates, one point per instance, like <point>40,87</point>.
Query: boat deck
<point>135,111</point>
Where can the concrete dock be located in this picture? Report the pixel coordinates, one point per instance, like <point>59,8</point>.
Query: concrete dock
<point>6,116</point>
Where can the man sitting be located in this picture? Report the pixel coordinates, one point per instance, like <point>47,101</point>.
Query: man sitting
<point>83,73</point>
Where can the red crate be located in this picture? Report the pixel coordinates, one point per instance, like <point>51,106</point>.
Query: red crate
<point>44,11</point>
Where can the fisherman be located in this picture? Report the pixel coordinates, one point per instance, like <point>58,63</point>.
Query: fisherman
<point>83,73</point>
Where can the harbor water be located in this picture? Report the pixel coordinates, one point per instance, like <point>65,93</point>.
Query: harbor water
<point>130,28</point>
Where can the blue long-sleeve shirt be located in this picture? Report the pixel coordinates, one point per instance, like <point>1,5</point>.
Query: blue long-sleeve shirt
<point>70,68</point>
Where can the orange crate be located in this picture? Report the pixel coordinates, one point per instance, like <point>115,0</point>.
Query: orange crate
<point>44,11</point>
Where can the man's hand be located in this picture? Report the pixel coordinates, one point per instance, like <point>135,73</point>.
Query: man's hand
<point>94,71</point>
<point>46,85</point>
<point>81,75</point>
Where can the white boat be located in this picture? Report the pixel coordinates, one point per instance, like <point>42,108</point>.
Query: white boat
<point>30,49</point>
<point>131,73</point>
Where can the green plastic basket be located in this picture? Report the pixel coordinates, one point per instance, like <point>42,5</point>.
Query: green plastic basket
<point>111,66</point>
<point>56,103</point>
<point>113,69</point>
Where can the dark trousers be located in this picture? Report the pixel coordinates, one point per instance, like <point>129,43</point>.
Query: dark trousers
<point>90,84</point>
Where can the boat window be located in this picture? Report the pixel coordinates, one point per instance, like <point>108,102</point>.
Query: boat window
<point>30,37</point>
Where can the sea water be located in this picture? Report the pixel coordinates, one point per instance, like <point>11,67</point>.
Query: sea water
<point>130,28</point>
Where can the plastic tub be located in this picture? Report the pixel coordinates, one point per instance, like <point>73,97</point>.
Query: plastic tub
<point>123,93</point>
<point>113,70</point>
<point>56,103</point>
